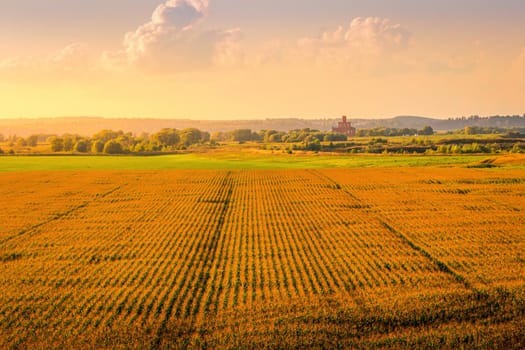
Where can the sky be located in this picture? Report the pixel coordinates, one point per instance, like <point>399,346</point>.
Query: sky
<point>252,59</point>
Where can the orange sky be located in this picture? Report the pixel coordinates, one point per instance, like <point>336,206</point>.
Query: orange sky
<point>218,59</point>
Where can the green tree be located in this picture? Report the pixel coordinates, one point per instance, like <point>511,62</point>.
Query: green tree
<point>106,135</point>
<point>221,136</point>
<point>333,136</point>
<point>242,135</point>
<point>126,140</point>
<point>32,140</point>
<point>57,143</point>
<point>82,146</point>
<point>113,147</point>
<point>469,130</point>
<point>315,145</point>
<point>68,143</point>
<point>427,130</point>
<point>166,137</point>
<point>97,146</point>
<point>276,137</point>
<point>190,136</point>
<point>205,136</point>
<point>21,142</point>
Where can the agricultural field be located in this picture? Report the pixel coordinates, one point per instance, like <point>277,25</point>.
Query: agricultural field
<point>410,255</point>
<point>238,159</point>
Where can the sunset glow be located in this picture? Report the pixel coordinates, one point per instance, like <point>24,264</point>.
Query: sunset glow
<point>232,59</point>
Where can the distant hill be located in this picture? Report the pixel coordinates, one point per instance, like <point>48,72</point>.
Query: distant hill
<point>442,124</point>
<point>90,125</point>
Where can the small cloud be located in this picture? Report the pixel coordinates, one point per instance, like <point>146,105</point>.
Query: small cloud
<point>454,64</point>
<point>74,59</point>
<point>376,35</point>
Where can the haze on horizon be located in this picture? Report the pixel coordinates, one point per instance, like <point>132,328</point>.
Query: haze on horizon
<point>232,59</point>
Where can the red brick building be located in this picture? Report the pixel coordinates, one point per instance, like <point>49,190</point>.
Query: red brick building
<point>345,127</point>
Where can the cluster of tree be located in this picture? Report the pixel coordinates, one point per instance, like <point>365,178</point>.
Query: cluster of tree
<point>273,136</point>
<point>493,117</point>
<point>457,148</point>
<point>238,135</point>
<point>480,130</point>
<point>313,136</point>
<point>466,148</point>
<point>382,131</point>
<point>475,147</point>
<point>30,141</point>
<point>118,142</point>
<point>498,121</point>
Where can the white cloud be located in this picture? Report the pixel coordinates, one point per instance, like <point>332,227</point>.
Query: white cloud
<point>73,57</point>
<point>173,40</point>
<point>363,43</point>
<point>374,34</point>
<point>364,36</point>
<point>179,13</point>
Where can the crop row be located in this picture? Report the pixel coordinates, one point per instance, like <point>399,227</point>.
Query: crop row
<point>154,248</point>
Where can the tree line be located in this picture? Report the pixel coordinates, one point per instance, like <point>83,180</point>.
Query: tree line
<point>170,140</point>
<point>383,131</point>
<point>480,130</point>
<point>118,142</point>
<point>274,136</point>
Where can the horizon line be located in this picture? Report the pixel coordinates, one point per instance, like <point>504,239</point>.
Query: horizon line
<point>258,118</point>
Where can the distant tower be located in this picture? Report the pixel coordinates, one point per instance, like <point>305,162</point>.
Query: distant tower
<point>345,127</point>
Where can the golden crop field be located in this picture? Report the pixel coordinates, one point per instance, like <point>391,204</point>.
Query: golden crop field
<point>335,258</point>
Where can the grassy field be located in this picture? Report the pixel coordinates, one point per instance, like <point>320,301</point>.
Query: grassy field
<point>368,257</point>
<point>231,160</point>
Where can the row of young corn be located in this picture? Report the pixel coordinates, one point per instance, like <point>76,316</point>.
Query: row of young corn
<point>189,245</point>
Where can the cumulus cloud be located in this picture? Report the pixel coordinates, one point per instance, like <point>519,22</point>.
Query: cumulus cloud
<point>179,13</point>
<point>173,40</point>
<point>74,57</point>
<point>377,34</point>
<point>364,36</point>
<point>363,42</point>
